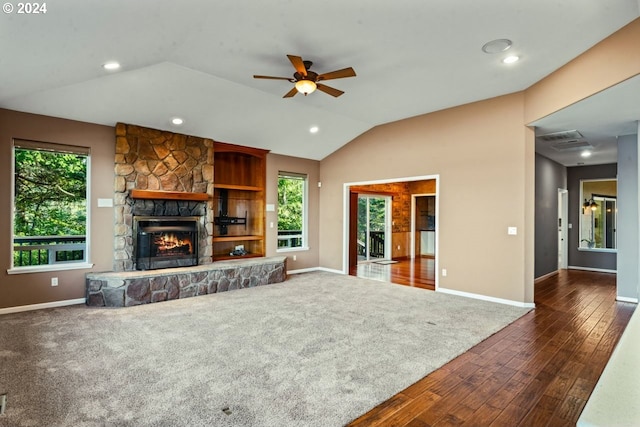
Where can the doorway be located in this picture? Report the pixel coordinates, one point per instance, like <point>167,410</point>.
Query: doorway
<point>373,238</point>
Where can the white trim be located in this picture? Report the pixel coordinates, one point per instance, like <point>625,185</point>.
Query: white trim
<point>345,216</point>
<point>52,304</point>
<point>545,276</point>
<point>303,270</point>
<point>50,267</point>
<point>627,299</point>
<point>330,270</point>
<point>296,249</point>
<point>487,298</point>
<point>312,269</point>
<point>599,270</point>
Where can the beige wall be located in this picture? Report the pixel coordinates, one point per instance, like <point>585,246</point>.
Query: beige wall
<point>479,153</point>
<point>34,288</point>
<point>608,63</point>
<point>278,163</point>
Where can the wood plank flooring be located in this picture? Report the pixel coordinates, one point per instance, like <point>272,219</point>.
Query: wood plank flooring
<point>538,371</point>
<point>419,272</point>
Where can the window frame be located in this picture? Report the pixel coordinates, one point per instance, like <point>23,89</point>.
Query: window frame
<point>57,148</point>
<point>304,246</point>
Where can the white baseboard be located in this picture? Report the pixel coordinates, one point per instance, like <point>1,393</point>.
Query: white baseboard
<point>545,276</point>
<point>487,298</point>
<point>598,270</point>
<point>627,299</point>
<point>308,270</point>
<point>52,304</point>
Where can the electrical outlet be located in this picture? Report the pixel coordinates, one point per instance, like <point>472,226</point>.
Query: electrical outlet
<point>54,281</point>
<point>444,272</point>
<point>3,403</point>
<point>295,258</point>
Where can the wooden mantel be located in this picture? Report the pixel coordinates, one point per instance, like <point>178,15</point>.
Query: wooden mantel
<point>168,195</point>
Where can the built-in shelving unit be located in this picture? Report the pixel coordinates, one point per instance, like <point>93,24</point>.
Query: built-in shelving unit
<point>238,201</point>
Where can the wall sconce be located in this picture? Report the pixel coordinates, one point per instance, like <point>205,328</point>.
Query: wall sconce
<point>589,204</point>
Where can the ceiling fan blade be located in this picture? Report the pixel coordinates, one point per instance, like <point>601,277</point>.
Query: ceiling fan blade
<point>272,77</point>
<point>331,91</point>
<point>291,93</point>
<point>338,74</point>
<point>298,64</point>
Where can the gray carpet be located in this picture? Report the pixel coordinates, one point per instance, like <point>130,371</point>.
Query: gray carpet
<point>317,350</point>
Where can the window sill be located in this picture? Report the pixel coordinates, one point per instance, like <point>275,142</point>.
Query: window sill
<point>302,248</point>
<point>598,250</point>
<point>52,267</point>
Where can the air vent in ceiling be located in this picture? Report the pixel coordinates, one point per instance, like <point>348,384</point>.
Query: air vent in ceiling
<point>571,145</point>
<point>565,135</point>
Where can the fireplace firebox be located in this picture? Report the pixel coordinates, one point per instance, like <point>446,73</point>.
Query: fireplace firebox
<point>165,241</point>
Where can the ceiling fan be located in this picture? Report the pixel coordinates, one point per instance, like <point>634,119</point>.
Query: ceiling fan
<point>307,81</point>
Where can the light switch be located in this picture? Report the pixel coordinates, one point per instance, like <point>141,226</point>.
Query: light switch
<point>105,203</point>
<point>512,231</point>
<point>271,207</point>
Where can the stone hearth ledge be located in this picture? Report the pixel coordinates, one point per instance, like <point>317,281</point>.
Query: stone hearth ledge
<point>129,288</point>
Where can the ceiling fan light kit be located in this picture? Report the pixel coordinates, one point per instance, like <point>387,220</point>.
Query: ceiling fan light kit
<point>306,86</point>
<point>306,81</point>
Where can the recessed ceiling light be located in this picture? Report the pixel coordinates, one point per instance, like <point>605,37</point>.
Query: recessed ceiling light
<point>585,154</point>
<point>511,59</point>
<point>111,66</point>
<point>177,121</point>
<point>314,129</point>
<point>496,46</point>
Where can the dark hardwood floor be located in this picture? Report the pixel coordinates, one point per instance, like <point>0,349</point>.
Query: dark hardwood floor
<point>538,371</point>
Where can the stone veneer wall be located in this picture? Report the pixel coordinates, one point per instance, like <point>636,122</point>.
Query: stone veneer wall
<point>150,159</point>
<point>129,288</point>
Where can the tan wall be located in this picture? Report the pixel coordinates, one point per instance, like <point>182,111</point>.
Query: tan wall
<point>278,163</point>
<point>479,152</point>
<point>34,288</point>
<point>608,63</point>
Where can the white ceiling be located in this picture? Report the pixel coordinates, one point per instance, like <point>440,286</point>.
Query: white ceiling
<point>195,59</point>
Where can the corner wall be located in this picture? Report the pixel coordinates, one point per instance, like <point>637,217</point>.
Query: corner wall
<point>628,276</point>
<point>550,176</point>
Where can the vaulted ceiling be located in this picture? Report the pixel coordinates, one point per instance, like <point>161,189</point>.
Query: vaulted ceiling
<point>196,60</point>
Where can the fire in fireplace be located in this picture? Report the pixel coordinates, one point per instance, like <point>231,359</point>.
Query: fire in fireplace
<point>165,241</point>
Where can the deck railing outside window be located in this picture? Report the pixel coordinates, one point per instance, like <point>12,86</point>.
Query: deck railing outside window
<point>289,238</point>
<point>43,250</point>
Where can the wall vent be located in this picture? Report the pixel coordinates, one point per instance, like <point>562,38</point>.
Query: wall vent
<point>571,145</point>
<point>565,135</point>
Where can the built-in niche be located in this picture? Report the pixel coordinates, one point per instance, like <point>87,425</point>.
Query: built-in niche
<point>598,215</point>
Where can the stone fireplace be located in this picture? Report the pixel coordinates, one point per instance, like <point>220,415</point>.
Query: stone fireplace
<point>167,165</point>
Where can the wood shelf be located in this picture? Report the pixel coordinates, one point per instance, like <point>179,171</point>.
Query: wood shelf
<point>239,192</point>
<point>236,238</point>
<point>238,187</point>
<point>168,195</point>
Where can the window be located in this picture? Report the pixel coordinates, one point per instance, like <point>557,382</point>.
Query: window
<point>50,205</point>
<point>598,215</point>
<point>292,207</point>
